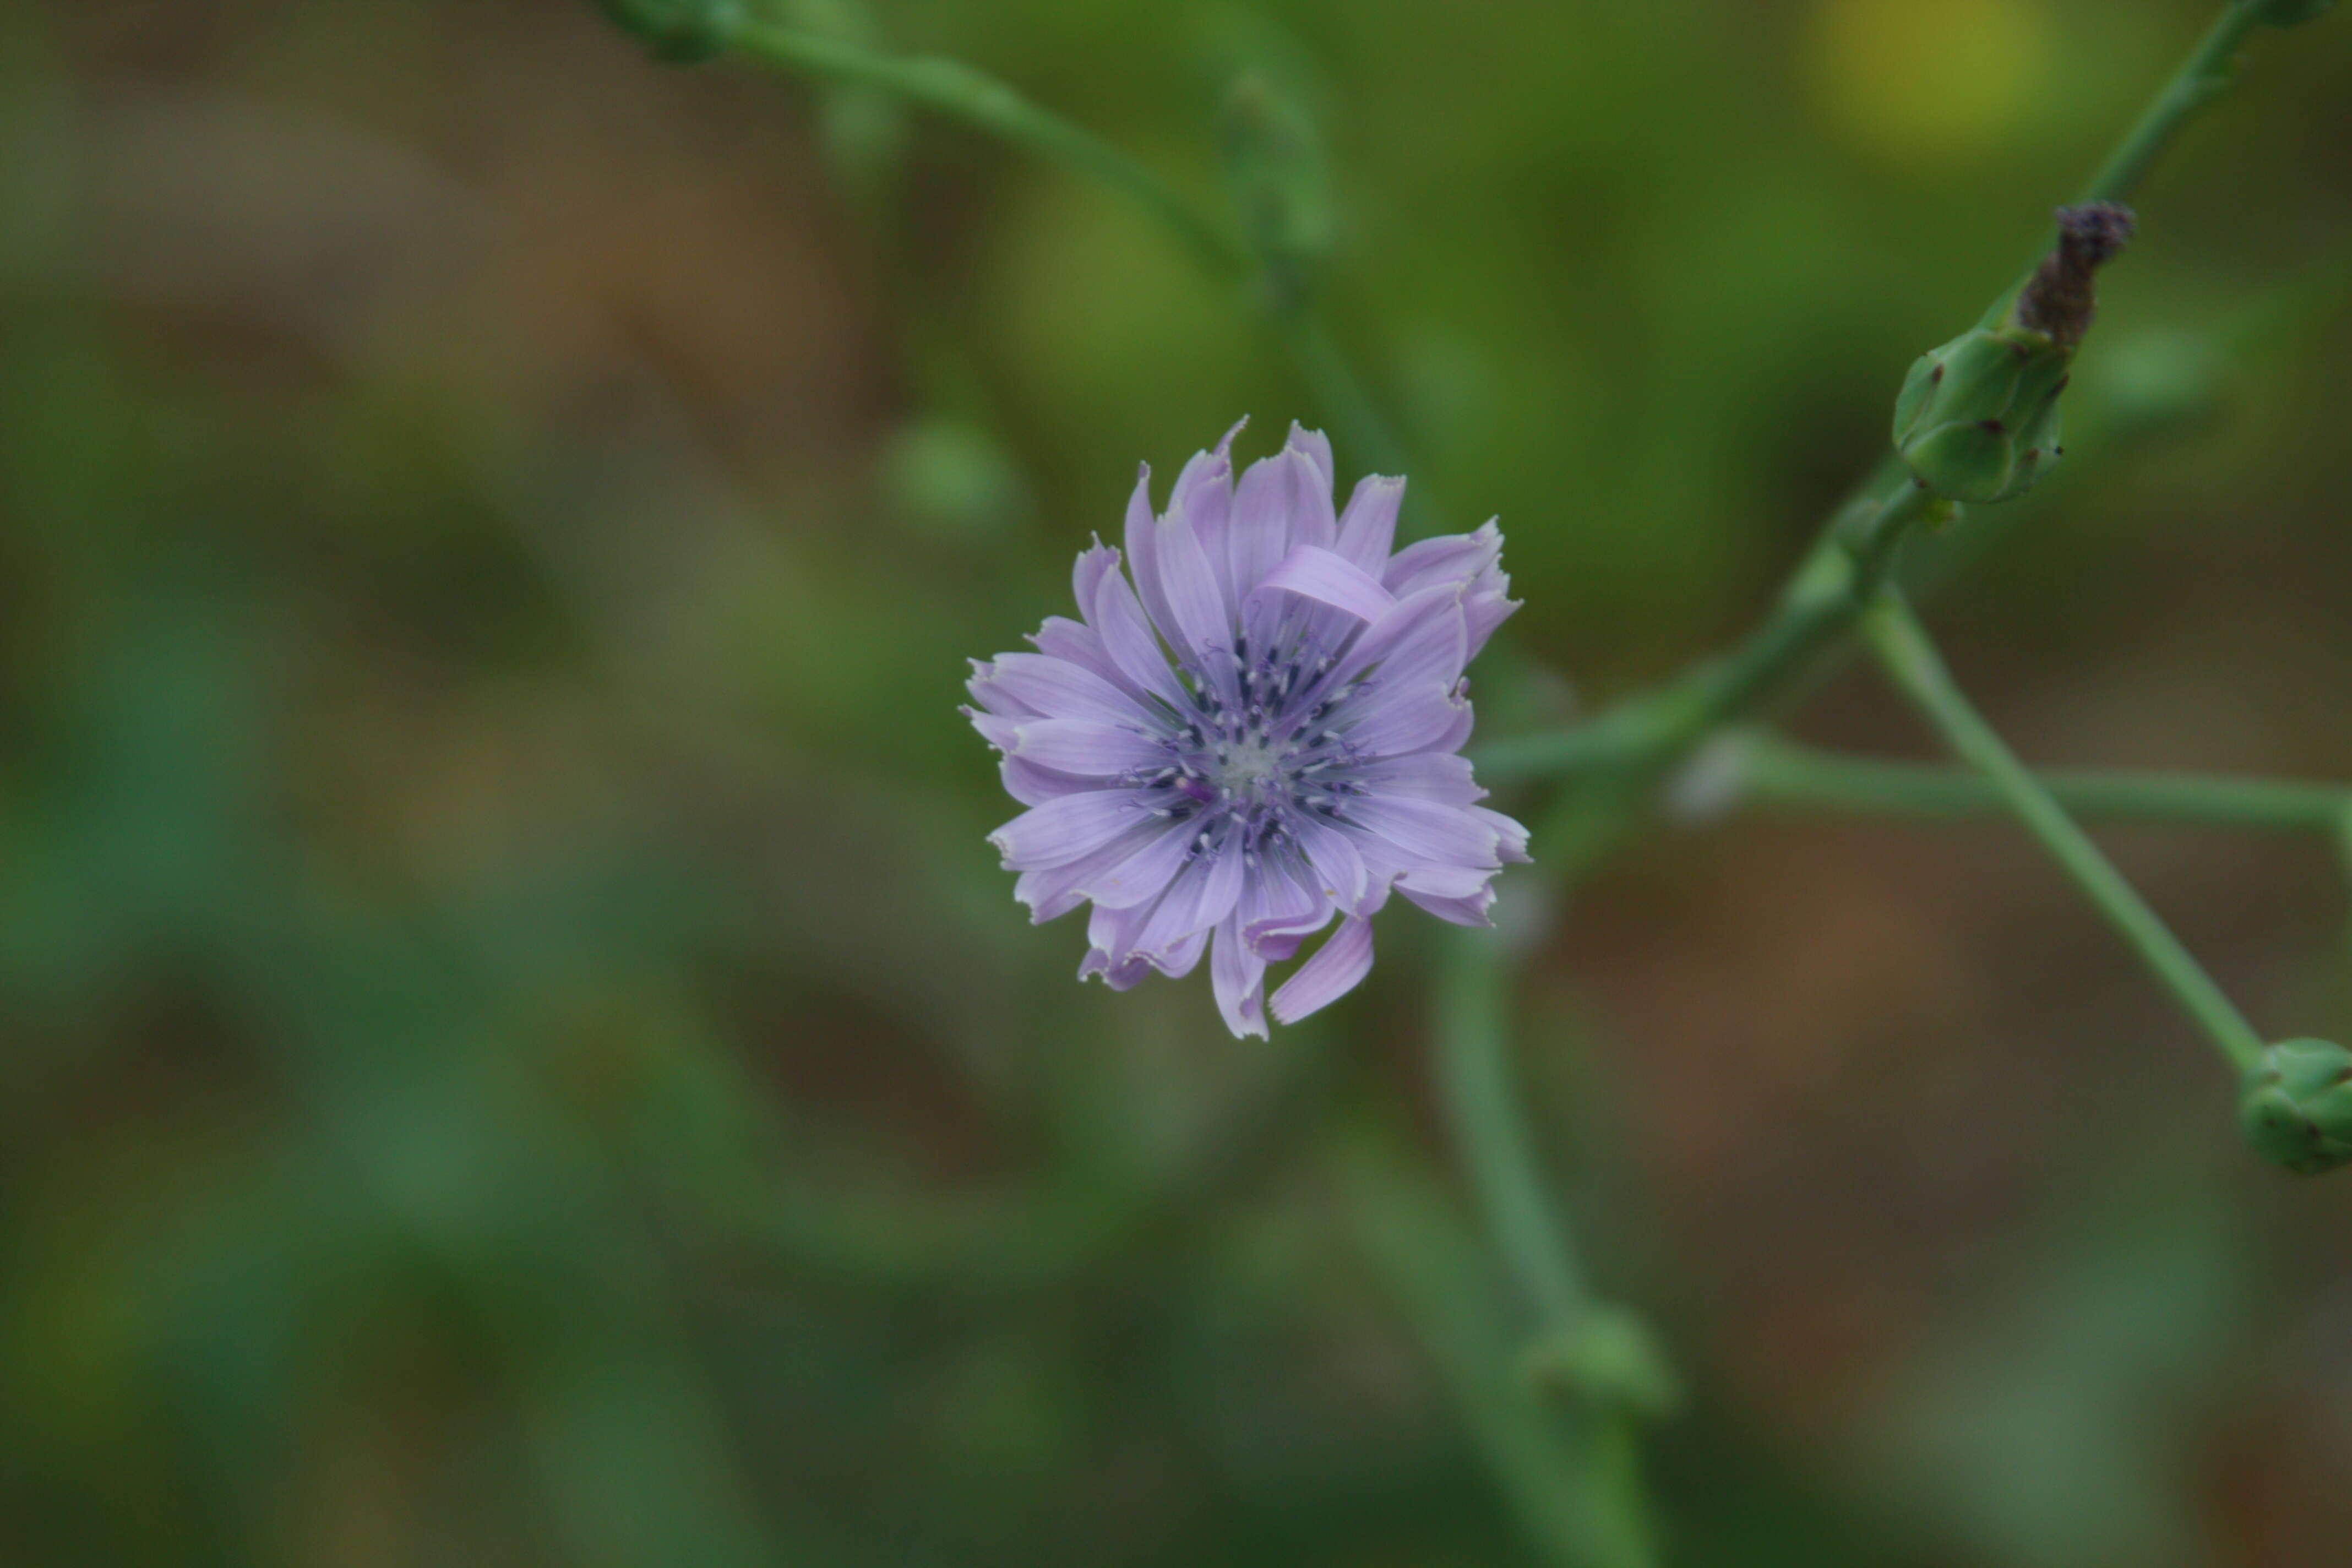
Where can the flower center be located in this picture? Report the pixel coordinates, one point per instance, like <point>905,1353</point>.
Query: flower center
<point>1252,770</point>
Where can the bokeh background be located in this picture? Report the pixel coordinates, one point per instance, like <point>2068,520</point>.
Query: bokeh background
<point>513,1051</point>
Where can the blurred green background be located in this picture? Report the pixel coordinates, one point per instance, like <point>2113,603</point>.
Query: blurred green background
<point>513,1051</point>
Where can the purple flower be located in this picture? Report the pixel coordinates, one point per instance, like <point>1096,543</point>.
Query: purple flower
<point>1282,750</point>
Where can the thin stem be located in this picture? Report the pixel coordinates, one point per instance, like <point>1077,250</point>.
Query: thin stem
<point>2204,76</point>
<point>1570,1473</point>
<point>1482,1102</point>
<point>1481,1096</point>
<point>1910,656</point>
<point>978,99</point>
<point>1641,740</point>
<point>1781,773</point>
<point>1634,740</point>
<point>981,102</point>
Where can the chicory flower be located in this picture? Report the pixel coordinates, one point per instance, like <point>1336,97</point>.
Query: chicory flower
<point>1259,734</point>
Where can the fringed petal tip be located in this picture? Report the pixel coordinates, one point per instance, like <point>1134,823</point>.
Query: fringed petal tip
<point>1338,967</point>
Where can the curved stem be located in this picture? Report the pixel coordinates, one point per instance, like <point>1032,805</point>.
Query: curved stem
<point>1568,1473</point>
<point>978,99</point>
<point>1909,655</point>
<point>1777,771</point>
<point>1641,740</point>
<point>1482,1101</point>
<point>1482,1104</point>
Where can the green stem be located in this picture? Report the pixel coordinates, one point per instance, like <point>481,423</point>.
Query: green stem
<point>1781,773</point>
<point>1480,1094</point>
<point>1641,740</point>
<point>1638,739</point>
<point>981,102</point>
<point>1569,1473</point>
<point>1481,1100</point>
<point>978,99</point>
<point>2204,76</point>
<point>1910,656</point>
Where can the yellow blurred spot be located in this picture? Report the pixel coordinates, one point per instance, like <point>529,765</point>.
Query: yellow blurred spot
<point>1929,79</point>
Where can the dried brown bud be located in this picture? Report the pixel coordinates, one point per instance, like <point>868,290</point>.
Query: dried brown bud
<point>2059,301</point>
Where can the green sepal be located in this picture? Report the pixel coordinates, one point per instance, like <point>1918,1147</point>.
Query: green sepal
<point>1978,418</point>
<point>680,30</point>
<point>2295,1106</point>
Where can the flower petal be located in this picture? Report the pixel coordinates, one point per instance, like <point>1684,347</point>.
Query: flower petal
<point>1337,869</point>
<point>1061,830</point>
<point>1258,532</point>
<point>1083,747</point>
<point>1053,688</point>
<point>1128,637</point>
<point>1424,831</point>
<point>1238,975</point>
<point>1311,519</point>
<point>1178,959</point>
<point>995,728</point>
<point>1431,652</point>
<point>1488,606</point>
<point>1456,558</point>
<point>1512,838</point>
<point>1033,785</point>
<point>1202,894</point>
<point>985,690</point>
<point>1328,578</point>
<point>1094,564</point>
<point>1441,776</point>
<point>1202,621</point>
<point>1079,644</point>
<point>1338,967</point>
<point>1469,911</point>
<point>1055,891</point>
<point>1413,719</point>
<point>1144,875</point>
<point>1111,953</point>
<point>1381,638</point>
<point>1204,499</point>
<point>1446,881</point>
<point>1142,563</point>
<point>1279,910</point>
<point>1368,527</point>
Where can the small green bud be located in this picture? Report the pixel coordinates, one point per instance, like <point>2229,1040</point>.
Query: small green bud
<point>1607,1356</point>
<point>682,30</point>
<point>2295,1106</point>
<point>2285,13</point>
<point>1978,418</point>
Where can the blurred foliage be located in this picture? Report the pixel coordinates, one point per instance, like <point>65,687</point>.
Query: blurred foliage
<point>515,1050</point>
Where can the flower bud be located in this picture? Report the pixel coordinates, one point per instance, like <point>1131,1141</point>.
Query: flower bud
<point>2295,1106</point>
<point>682,30</point>
<point>2285,13</point>
<point>1978,418</point>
